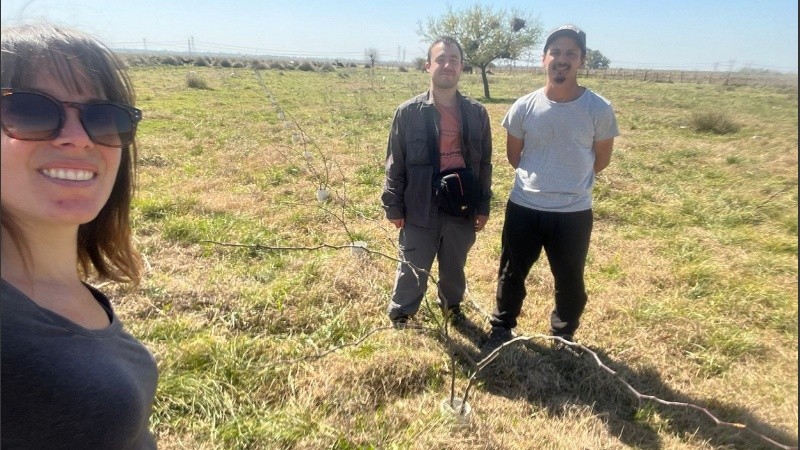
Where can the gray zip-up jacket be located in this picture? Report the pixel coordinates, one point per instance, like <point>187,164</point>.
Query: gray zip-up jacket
<point>408,187</point>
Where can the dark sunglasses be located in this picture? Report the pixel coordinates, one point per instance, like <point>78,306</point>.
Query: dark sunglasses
<point>34,116</point>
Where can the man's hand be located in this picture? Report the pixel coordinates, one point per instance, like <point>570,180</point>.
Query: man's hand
<point>398,223</point>
<point>480,222</point>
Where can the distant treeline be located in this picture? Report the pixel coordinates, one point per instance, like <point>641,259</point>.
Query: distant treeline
<point>740,78</point>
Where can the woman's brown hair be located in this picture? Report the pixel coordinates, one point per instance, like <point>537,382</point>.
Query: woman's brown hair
<point>82,64</point>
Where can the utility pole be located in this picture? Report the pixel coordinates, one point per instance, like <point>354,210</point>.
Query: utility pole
<point>144,44</point>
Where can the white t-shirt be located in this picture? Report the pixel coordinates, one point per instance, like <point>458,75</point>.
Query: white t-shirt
<point>556,170</point>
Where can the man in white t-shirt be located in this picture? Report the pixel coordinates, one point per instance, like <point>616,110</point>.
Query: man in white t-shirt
<point>559,138</point>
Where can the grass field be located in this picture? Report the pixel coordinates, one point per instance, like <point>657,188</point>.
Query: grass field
<point>270,333</point>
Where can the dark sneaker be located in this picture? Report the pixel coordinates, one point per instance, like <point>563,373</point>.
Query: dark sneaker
<point>401,322</point>
<point>456,317</point>
<point>560,346</point>
<point>497,337</point>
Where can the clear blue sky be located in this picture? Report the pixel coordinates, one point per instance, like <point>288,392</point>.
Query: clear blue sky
<point>672,34</point>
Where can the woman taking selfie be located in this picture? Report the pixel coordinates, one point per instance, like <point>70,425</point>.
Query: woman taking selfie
<point>72,377</point>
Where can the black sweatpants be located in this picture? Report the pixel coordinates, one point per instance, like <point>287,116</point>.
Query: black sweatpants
<point>565,240</point>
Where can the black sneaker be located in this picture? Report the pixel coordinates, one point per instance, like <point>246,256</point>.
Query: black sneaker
<point>456,317</point>
<point>497,337</point>
<point>560,346</point>
<point>401,322</point>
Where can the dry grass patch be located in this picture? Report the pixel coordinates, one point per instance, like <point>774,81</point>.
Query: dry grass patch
<point>345,386</point>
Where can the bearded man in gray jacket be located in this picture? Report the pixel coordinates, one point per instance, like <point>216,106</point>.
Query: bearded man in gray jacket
<point>435,132</point>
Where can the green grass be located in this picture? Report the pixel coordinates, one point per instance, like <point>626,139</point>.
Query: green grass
<point>692,272</point>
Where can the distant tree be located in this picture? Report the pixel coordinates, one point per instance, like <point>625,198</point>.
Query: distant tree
<point>485,35</point>
<point>372,56</point>
<point>596,60</point>
<point>419,63</point>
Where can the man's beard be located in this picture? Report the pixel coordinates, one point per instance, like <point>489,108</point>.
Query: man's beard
<point>445,84</point>
<point>559,78</point>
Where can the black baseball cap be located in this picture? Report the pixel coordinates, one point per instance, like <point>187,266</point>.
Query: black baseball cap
<point>570,31</point>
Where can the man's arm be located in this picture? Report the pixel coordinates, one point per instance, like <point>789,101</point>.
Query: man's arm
<point>514,149</point>
<point>485,181</point>
<point>394,183</point>
<point>602,154</point>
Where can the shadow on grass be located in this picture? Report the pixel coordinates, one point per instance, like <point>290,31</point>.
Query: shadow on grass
<point>556,380</point>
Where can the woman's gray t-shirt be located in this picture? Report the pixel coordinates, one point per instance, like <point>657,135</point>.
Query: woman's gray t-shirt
<point>67,387</point>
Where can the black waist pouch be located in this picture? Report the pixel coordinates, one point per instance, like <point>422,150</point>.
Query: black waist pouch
<point>455,192</point>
